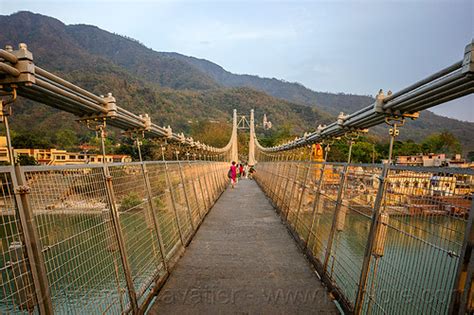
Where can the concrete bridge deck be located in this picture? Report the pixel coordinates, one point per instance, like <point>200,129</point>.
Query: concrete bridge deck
<point>243,260</point>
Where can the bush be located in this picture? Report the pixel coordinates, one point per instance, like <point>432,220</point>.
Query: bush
<point>130,201</point>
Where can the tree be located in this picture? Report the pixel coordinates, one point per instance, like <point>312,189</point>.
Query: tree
<point>362,152</point>
<point>24,159</point>
<point>66,139</point>
<point>444,142</point>
<point>470,156</point>
<point>408,147</point>
<point>26,140</point>
<point>212,133</point>
<point>277,136</point>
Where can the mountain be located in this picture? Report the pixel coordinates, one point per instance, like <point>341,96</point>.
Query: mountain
<point>334,103</point>
<point>290,91</point>
<point>172,91</point>
<point>179,90</point>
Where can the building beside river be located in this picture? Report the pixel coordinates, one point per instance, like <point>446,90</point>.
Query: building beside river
<point>60,157</point>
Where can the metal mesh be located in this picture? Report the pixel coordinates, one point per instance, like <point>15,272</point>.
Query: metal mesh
<point>189,176</point>
<point>324,210</point>
<point>165,214</point>
<point>428,210</point>
<point>84,217</point>
<point>73,220</point>
<point>200,195</point>
<point>177,189</point>
<point>207,180</point>
<point>416,244</point>
<point>138,227</point>
<point>352,228</point>
<point>298,189</point>
<point>308,202</point>
<point>17,292</point>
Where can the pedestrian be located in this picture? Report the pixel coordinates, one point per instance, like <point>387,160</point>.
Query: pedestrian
<point>237,175</point>
<point>241,171</point>
<point>232,174</point>
<point>252,172</point>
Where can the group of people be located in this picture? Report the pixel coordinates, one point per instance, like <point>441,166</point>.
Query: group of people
<point>238,171</point>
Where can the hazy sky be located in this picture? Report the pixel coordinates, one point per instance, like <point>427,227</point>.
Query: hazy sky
<point>337,46</point>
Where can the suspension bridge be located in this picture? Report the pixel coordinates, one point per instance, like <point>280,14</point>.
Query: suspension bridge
<point>307,236</point>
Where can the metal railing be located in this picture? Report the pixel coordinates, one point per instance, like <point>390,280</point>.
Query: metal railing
<point>98,239</point>
<point>19,76</point>
<point>383,238</point>
<point>452,82</point>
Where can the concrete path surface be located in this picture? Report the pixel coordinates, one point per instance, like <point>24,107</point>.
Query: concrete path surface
<point>243,261</point>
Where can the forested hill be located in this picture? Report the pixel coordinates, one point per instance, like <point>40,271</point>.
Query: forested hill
<point>179,90</point>
<point>290,91</point>
<point>334,103</point>
<point>171,91</point>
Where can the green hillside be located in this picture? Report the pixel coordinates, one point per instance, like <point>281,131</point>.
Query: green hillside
<point>176,89</point>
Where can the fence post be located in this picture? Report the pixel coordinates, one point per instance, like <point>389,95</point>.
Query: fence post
<point>193,181</point>
<point>118,234</point>
<point>274,182</point>
<point>186,195</point>
<point>316,205</point>
<point>332,232</point>
<point>173,202</point>
<point>370,240</point>
<point>153,210</point>
<point>206,182</point>
<point>303,189</point>
<point>282,202</point>
<point>293,187</point>
<point>32,241</point>
<point>463,290</point>
<point>212,182</point>
<point>202,189</point>
<point>285,167</point>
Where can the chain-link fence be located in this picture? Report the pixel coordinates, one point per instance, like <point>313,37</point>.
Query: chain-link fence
<point>97,239</point>
<point>385,239</point>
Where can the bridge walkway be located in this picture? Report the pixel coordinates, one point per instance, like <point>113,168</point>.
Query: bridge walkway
<point>243,260</point>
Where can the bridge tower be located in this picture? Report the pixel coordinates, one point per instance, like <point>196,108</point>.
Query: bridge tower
<point>234,149</point>
<point>251,160</point>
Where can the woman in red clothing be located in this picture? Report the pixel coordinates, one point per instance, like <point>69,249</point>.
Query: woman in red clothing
<point>241,171</point>
<point>233,174</point>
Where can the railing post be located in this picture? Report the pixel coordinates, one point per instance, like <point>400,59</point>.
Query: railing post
<point>206,182</point>
<point>32,242</point>
<point>201,187</point>
<point>293,187</point>
<point>153,210</point>
<point>284,168</point>
<point>317,204</point>
<point>119,237</point>
<point>173,202</point>
<point>335,216</point>
<point>193,180</point>
<point>275,180</point>
<point>152,207</point>
<point>283,198</point>
<point>361,290</point>
<point>463,291</point>
<point>213,180</point>
<point>303,189</point>
<point>186,196</point>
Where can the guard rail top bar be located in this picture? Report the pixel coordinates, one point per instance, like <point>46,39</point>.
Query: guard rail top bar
<point>17,70</point>
<point>448,84</point>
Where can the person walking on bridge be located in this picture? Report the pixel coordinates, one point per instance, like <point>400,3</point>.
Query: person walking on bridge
<point>232,174</point>
<point>241,171</point>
